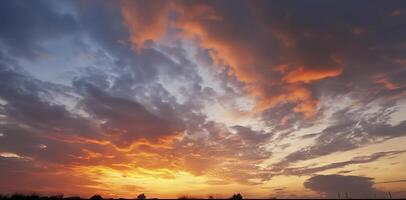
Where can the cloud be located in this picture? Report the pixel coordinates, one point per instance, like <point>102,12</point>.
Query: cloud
<point>395,181</point>
<point>308,170</point>
<point>139,15</point>
<point>224,154</point>
<point>38,112</point>
<point>252,136</point>
<point>301,75</point>
<point>30,176</point>
<point>207,89</point>
<point>27,24</point>
<point>349,131</point>
<point>331,185</point>
<point>126,115</point>
<point>280,60</point>
<point>126,121</point>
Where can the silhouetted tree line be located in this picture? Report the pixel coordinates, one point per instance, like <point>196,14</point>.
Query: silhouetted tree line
<point>36,197</point>
<point>94,197</point>
<point>236,197</point>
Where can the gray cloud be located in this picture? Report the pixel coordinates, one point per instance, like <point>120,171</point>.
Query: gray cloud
<point>24,176</point>
<point>299,171</point>
<point>38,113</point>
<point>394,181</point>
<point>349,131</point>
<point>26,24</point>
<point>331,185</point>
<point>224,154</point>
<point>251,136</point>
<point>126,120</point>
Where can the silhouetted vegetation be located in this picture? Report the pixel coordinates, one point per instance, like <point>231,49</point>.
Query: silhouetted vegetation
<point>72,198</point>
<point>18,196</point>
<point>141,196</point>
<point>236,197</point>
<point>186,197</point>
<point>96,197</point>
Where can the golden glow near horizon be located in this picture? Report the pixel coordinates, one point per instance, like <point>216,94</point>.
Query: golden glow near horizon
<point>203,98</point>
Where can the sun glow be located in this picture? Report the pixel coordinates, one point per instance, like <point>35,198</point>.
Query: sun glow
<point>127,183</point>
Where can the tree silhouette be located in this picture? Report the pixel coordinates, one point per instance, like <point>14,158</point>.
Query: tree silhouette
<point>236,197</point>
<point>141,196</point>
<point>96,197</point>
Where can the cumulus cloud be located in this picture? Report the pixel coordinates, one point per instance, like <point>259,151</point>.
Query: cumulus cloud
<point>331,185</point>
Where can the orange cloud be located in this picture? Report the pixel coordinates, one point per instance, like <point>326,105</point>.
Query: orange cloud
<point>309,75</point>
<point>294,93</point>
<point>308,108</point>
<point>153,26</point>
<point>247,63</point>
<point>284,38</point>
<point>383,80</point>
<point>358,31</point>
<point>396,13</point>
<point>143,24</point>
<point>223,52</point>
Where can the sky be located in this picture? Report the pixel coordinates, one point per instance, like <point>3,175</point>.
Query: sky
<point>286,99</point>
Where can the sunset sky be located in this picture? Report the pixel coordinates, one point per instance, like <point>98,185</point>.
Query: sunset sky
<point>169,98</point>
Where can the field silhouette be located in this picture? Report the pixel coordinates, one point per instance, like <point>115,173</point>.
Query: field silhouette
<point>142,196</point>
<point>94,197</point>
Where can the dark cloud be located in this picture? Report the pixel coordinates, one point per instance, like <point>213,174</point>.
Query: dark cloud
<point>26,143</point>
<point>348,132</point>
<point>223,154</point>
<point>306,41</point>
<point>27,103</point>
<point>126,120</point>
<point>25,25</point>
<point>289,58</point>
<point>395,181</point>
<point>331,185</point>
<point>299,171</point>
<point>283,121</point>
<point>252,136</point>
<point>24,176</point>
<point>32,120</point>
<point>134,67</point>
